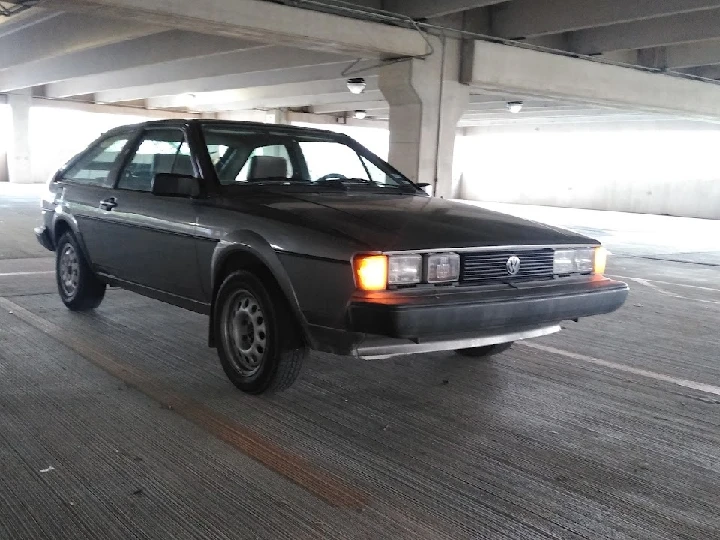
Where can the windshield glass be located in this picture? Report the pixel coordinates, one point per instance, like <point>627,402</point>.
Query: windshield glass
<point>241,155</point>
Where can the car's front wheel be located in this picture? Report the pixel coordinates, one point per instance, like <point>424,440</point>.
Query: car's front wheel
<point>482,352</point>
<point>79,287</point>
<point>258,342</point>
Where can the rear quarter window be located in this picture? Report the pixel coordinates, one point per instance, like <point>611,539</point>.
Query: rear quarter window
<point>95,166</point>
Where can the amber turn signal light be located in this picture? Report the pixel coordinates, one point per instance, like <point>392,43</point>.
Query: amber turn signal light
<point>600,260</point>
<point>371,272</point>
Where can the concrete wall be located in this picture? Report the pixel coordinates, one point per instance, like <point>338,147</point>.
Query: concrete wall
<point>655,172</point>
<point>5,127</point>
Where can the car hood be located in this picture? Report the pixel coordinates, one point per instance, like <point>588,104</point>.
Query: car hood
<point>405,222</point>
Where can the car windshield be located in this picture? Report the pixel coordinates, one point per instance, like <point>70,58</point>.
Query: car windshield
<point>241,155</point>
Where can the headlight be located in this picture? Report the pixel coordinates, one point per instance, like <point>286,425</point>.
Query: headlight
<point>405,269</point>
<point>443,268</point>
<point>579,261</point>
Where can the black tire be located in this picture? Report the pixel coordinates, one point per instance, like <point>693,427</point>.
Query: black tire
<point>258,341</point>
<point>484,352</point>
<point>79,287</point>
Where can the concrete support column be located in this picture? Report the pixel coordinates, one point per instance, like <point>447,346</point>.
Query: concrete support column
<point>277,116</point>
<point>426,102</point>
<point>18,159</point>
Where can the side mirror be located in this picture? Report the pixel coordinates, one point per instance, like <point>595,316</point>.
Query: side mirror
<point>175,185</point>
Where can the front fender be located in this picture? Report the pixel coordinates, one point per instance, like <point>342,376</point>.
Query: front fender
<point>251,243</point>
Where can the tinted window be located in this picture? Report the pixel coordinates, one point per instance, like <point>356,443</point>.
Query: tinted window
<point>159,151</point>
<point>94,167</point>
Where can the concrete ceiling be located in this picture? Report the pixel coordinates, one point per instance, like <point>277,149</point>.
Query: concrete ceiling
<point>237,55</point>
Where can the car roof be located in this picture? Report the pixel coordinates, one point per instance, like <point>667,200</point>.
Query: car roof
<point>259,126</point>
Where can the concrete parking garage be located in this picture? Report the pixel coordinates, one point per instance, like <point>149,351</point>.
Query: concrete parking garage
<point>120,423</point>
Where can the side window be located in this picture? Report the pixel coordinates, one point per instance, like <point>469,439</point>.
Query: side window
<point>159,151</point>
<point>257,167</point>
<point>94,167</point>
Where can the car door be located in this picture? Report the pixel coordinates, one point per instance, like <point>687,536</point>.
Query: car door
<point>86,183</point>
<point>153,237</point>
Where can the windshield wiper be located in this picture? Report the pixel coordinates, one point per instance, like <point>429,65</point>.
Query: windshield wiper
<point>344,181</point>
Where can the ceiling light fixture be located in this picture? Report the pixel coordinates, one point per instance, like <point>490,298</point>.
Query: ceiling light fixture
<point>360,115</point>
<point>356,85</point>
<point>514,106</point>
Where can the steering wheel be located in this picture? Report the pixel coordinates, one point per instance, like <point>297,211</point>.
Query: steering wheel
<point>332,176</point>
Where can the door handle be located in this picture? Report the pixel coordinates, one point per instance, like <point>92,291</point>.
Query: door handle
<point>108,204</point>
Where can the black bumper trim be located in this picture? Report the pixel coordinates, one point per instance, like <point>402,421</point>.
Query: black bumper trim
<point>420,316</point>
<point>43,237</point>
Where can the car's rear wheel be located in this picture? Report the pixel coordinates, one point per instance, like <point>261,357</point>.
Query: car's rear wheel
<point>79,287</point>
<point>482,352</point>
<point>258,342</point>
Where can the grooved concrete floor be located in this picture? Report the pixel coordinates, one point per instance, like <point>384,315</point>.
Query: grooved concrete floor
<point>121,424</point>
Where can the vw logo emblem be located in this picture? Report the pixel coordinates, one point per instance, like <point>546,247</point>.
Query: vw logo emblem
<point>513,265</point>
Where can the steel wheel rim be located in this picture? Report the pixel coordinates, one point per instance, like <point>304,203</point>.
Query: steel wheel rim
<point>244,332</point>
<point>69,270</point>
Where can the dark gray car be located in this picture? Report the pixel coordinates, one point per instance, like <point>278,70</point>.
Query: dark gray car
<point>293,239</point>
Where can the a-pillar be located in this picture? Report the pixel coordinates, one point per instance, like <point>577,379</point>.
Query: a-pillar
<point>426,102</point>
<point>18,159</point>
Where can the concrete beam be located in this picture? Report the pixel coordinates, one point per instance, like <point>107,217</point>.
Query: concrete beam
<point>570,121</point>
<point>26,19</point>
<point>337,86</point>
<point>605,124</point>
<point>525,116</point>
<point>265,22</point>
<point>708,72</point>
<point>528,107</point>
<point>323,119</point>
<point>110,109</point>
<point>291,101</point>
<point>235,81</point>
<point>425,9</point>
<point>244,116</point>
<point>375,105</point>
<point>525,18</point>
<point>148,50</point>
<point>246,61</point>
<point>685,28</point>
<point>529,72</point>
<point>65,33</point>
<point>703,53</point>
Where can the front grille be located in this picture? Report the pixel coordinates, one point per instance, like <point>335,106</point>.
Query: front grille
<point>491,266</point>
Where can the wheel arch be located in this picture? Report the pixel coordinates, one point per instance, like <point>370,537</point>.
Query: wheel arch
<point>60,227</point>
<point>64,222</point>
<point>246,250</point>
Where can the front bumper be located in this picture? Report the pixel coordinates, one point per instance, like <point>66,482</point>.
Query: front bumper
<point>43,236</point>
<point>417,314</point>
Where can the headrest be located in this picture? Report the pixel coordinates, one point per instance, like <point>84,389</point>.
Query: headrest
<point>183,165</point>
<point>262,167</point>
<point>174,163</point>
